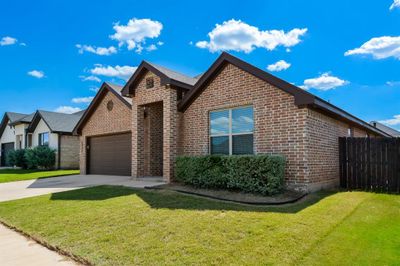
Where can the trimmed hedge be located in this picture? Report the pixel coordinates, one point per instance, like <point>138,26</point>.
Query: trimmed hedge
<point>40,157</point>
<point>262,174</point>
<point>17,158</point>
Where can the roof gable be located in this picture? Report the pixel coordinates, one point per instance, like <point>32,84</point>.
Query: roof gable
<point>301,97</point>
<point>105,87</point>
<point>3,125</point>
<point>56,122</point>
<point>166,75</point>
<point>10,118</point>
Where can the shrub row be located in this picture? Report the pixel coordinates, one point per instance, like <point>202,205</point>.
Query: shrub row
<point>262,174</point>
<point>41,157</point>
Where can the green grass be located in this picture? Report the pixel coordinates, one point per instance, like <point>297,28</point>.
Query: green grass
<point>121,226</point>
<point>10,175</point>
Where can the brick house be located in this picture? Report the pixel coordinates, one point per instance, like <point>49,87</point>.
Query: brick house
<point>232,108</point>
<point>105,129</point>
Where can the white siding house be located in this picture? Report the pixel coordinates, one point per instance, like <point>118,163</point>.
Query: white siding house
<point>20,131</point>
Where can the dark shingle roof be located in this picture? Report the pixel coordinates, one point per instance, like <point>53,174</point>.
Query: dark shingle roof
<point>118,89</point>
<point>175,75</point>
<point>391,131</point>
<point>59,122</point>
<point>15,116</point>
<point>24,119</point>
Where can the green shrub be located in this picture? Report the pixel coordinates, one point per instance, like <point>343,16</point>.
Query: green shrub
<point>17,158</point>
<point>41,157</point>
<point>262,174</point>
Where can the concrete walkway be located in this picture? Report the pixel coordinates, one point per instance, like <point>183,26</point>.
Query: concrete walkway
<point>36,187</point>
<point>16,250</point>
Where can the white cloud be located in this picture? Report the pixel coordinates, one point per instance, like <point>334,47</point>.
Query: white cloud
<point>96,50</point>
<point>151,47</point>
<point>135,33</point>
<point>82,99</point>
<point>395,121</point>
<point>7,41</point>
<point>90,78</point>
<point>396,4</point>
<point>36,73</point>
<point>94,89</point>
<point>122,72</point>
<point>393,83</point>
<point>379,48</point>
<point>324,82</point>
<point>67,109</point>
<point>279,66</point>
<point>238,36</point>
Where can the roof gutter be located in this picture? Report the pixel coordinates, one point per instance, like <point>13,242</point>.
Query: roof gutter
<point>321,104</point>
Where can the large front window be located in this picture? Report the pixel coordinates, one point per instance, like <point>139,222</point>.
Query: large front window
<point>231,131</point>
<point>44,139</point>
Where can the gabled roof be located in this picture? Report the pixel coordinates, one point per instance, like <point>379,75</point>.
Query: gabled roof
<point>175,75</point>
<point>166,75</point>
<point>24,120</point>
<point>301,97</point>
<point>105,87</point>
<point>56,122</point>
<point>391,131</point>
<point>9,118</point>
<point>15,116</point>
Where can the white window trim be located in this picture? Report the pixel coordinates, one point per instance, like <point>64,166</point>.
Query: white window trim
<point>230,133</point>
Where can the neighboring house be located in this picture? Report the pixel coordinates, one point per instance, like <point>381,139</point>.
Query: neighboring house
<point>106,133</point>
<point>233,108</point>
<point>392,132</point>
<point>20,131</point>
<point>55,131</point>
<point>13,133</point>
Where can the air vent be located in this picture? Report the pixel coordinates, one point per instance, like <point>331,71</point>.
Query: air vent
<point>149,83</point>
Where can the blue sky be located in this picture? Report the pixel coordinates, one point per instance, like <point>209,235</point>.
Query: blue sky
<point>347,52</point>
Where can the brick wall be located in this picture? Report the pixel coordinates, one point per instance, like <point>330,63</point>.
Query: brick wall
<point>323,148</point>
<point>104,122</point>
<point>279,124</point>
<point>159,95</point>
<point>69,150</point>
<point>153,140</point>
<point>308,139</point>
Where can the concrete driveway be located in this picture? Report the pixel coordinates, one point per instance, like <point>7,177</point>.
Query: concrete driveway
<point>31,188</point>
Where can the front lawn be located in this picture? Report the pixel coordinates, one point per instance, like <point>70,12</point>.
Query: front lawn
<point>120,226</point>
<point>10,175</point>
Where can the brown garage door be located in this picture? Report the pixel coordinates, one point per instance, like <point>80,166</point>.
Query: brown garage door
<point>110,155</point>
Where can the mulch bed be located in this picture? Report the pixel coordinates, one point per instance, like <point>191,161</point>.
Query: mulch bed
<point>285,197</point>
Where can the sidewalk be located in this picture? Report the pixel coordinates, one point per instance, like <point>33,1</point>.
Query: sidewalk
<point>16,249</point>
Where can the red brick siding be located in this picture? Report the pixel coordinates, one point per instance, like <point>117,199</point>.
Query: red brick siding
<point>104,122</point>
<point>308,139</point>
<point>279,124</point>
<point>146,97</point>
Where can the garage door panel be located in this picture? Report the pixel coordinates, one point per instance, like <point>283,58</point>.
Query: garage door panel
<point>110,155</point>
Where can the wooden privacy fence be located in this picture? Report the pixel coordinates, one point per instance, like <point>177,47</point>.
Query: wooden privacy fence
<point>370,164</point>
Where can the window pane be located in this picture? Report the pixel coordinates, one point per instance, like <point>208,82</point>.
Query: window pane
<point>242,120</point>
<point>219,122</point>
<point>220,145</point>
<point>45,138</point>
<point>242,144</point>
